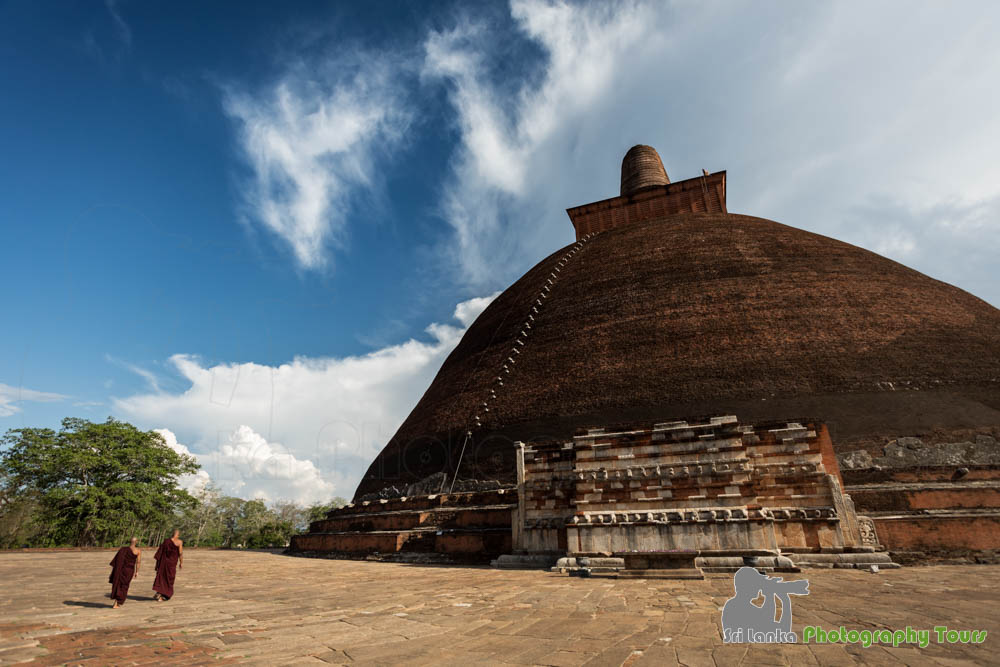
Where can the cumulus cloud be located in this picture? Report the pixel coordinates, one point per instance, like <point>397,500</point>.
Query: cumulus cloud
<point>194,483</point>
<point>819,120</point>
<point>467,311</point>
<point>310,141</point>
<point>247,457</point>
<point>11,396</point>
<point>330,415</point>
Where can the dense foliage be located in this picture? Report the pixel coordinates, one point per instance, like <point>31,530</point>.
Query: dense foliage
<point>100,484</point>
<point>224,521</point>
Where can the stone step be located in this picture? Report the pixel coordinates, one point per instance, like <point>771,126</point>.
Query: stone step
<point>524,562</point>
<point>731,570</point>
<point>439,500</point>
<point>490,541</point>
<point>445,517</point>
<point>673,573</point>
<point>860,561</point>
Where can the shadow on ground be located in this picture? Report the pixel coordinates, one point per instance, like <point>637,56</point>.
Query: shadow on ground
<point>106,605</point>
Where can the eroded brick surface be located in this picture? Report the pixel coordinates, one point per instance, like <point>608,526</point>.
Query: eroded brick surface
<point>261,608</point>
<point>704,314</point>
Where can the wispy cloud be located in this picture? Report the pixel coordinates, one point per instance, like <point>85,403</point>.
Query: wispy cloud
<point>148,376</point>
<point>311,141</point>
<point>813,116</point>
<point>331,415</point>
<point>109,50</point>
<point>10,397</point>
<point>513,155</point>
<point>124,31</point>
<point>954,238</point>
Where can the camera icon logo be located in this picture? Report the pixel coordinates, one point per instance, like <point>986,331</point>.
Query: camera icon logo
<point>743,621</point>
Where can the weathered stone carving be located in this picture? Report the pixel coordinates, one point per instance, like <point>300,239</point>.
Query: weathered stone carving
<point>866,527</point>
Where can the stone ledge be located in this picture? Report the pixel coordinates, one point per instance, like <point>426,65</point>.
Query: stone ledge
<point>524,562</point>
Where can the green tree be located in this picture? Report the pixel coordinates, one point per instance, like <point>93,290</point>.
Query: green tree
<point>18,516</point>
<point>202,524</point>
<point>254,515</point>
<point>229,511</point>
<point>319,511</point>
<point>97,483</point>
<point>293,514</point>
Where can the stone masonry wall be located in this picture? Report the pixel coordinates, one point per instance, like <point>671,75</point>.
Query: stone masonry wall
<point>714,484</point>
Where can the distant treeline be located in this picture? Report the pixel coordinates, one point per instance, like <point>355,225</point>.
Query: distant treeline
<point>101,484</point>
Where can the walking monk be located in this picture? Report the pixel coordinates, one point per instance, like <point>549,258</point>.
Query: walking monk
<point>124,568</point>
<point>169,557</point>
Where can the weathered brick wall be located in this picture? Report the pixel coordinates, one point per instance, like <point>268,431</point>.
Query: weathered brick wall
<point>908,499</point>
<point>941,496</point>
<point>703,194</point>
<point>945,533</point>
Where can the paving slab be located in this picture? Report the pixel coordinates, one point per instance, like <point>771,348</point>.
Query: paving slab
<point>238,607</point>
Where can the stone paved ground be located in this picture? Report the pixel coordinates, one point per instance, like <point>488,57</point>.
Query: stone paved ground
<point>254,607</point>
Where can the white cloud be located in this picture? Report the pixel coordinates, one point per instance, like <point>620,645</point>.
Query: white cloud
<point>332,415</point>
<point>311,141</point>
<point>248,457</point>
<point>467,311</point>
<point>11,396</point>
<point>193,483</point>
<point>512,155</point>
<point>813,115</point>
<point>247,465</point>
<point>962,238</point>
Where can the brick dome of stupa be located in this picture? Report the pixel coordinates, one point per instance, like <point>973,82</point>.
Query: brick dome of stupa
<point>686,313</point>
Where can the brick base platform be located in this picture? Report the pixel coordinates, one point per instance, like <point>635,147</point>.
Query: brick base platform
<point>461,527</point>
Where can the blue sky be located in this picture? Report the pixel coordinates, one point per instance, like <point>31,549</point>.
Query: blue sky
<point>262,228</point>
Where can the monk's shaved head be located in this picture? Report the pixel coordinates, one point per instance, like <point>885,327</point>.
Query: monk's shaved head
<point>176,532</point>
<point>135,541</point>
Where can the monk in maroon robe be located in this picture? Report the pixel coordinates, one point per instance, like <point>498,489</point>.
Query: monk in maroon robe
<point>124,568</point>
<point>169,558</point>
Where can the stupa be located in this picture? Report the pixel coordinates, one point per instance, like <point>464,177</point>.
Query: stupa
<point>669,309</point>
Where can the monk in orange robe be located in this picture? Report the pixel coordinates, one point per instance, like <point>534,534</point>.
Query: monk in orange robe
<point>124,568</point>
<point>169,558</point>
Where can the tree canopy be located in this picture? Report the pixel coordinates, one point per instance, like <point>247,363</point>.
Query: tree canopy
<point>100,484</point>
<point>95,483</point>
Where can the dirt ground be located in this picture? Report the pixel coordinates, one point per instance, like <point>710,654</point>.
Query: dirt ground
<point>264,608</point>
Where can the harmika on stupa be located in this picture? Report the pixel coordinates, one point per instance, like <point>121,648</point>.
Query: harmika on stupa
<point>681,379</point>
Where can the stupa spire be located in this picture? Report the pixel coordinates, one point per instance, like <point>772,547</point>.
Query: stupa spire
<point>642,168</point>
